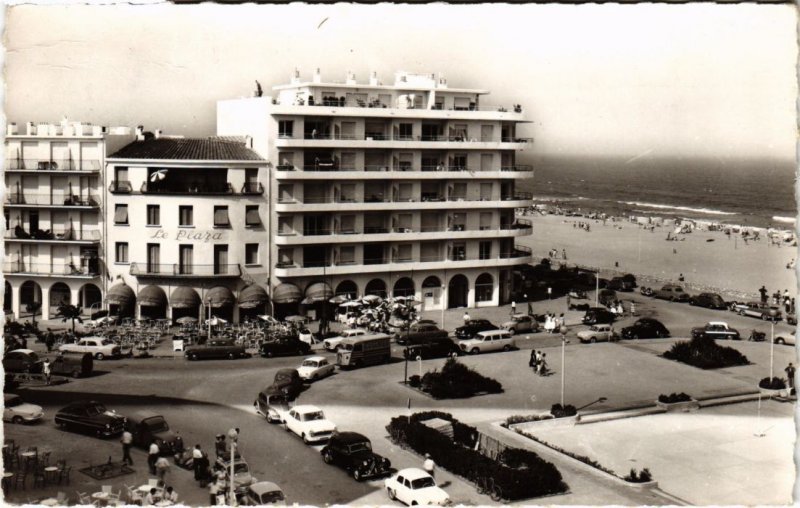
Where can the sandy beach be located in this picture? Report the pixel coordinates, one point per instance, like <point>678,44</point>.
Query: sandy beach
<point>726,265</point>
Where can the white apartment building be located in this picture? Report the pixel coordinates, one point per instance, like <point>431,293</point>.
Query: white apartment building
<point>53,209</point>
<point>403,189</point>
<point>186,231</point>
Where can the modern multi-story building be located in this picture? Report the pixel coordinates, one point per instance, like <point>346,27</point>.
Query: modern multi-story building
<point>186,228</point>
<point>53,210</point>
<point>403,189</point>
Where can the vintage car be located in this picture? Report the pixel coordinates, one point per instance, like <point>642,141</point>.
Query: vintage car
<point>332,343</point>
<point>419,333</point>
<point>315,367</point>
<point>309,423</point>
<point>91,417</point>
<point>284,346</point>
<point>492,340</point>
<point>22,360</point>
<point>625,283</point>
<point>264,493</point>
<point>99,347</point>
<point>645,328</point>
<point>26,360</point>
<point>757,309</point>
<point>435,348</point>
<point>474,326</point>
<point>353,452</point>
<point>217,348</point>
<point>146,427</point>
<point>598,315</point>
<point>598,333</point>
<point>606,297</point>
<point>242,478</point>
<point>15,410</point>
<point>671,292</point>
<point>288,382</point>
<point>708,300</point>
<point>520,323</point>
<point>716,330</point>
<point>271,405</point>
<point>785,338</point>
<point>414,486</point>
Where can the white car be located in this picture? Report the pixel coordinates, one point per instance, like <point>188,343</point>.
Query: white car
<point>332,344</point>
<point>309,423</point>
<point>490,340</point>
<point>786,338</point>
<point>414,486</point>
<point>306,336</point>
<point>598,333</point>
<point>315,367</point>
<point>97,346</point>
<point>17,411</point>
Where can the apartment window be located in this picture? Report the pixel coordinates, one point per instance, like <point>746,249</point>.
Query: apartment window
<point>221,219</point>
<point>347,193</point>
<point>347,224</point>
<point>403,252</point>
<point>285,257</point>
<point>285,193</point>
<point>487,161</point>
<point>485,250</point>
<point>121,252</point>
<point>121,214</point>
<point>251,217</point>
<point>487,132</point>
<point>348,161</point>
<point>153,257</point>
<point>153,215</point>
<point>285,225</point>
<point>347,255</point>
<point>348,130</point>
<point>405,131</point>
<point>405,161</point>
<point>459,251</point>
<point>220,259</point>
<point>485,221</point>
<point>186,215</point>
<point>286,128</point>
<point>484,288</point>
<point>286,161</point>
<point>251,253</point>
<point>185,259</point>
<point>486,192</point>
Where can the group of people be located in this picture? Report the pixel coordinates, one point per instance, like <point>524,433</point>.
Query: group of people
<point>554,324</point>
<point>553,254</point>
<point>617,308</point>
<point>784,299</point>
<point>538,362</point>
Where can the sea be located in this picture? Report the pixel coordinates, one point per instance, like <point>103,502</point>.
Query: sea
<point>753,193</point>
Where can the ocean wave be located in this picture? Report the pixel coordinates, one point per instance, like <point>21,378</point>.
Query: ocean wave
<point>707,211</point>
<point>780,218</point>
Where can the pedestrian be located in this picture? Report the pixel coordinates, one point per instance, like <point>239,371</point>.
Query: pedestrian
<point>213,490</point>
<point>429,465</point>
<point>170,495</point>
<point>127,442</point>
<point>564,254</point>
<point>543,365</point>
<point>46,370</point>
<point>790,371</point>
<point>633,309</point>
<point>197,462</point>
<point>151,498</point>
<point>532,360</point>
<point>513,307</point>
<point>539,356</point>
<point>233,435</point>
<point>466,318</point>
<point>792,306</point>
<point>152,456</point>
<point>763,292</point>
<point>220,445</point>
<point>49,340</point>
<point>162,468</point>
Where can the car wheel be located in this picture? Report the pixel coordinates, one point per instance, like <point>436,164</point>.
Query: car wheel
<point>741,313</point>
<point>193,357</point>
<point>475,351</point>
<point>269,354</point>
<point>231,356</point>
<point>17,420</point>
<point>391,494</point>
<point>418,358</point>
<point>512,331</point>
<point>357,475</point>
<point>593,340</point>
<point>779,340</point>
<point>327,457</point>
<point>764,317</point>
<point>506,348</point>
<point>99,356</point>
<point>454,354</point>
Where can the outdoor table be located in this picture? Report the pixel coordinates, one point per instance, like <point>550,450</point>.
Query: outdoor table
<point>51,473</point>
<point>28,454</point>
<point>51,501</point>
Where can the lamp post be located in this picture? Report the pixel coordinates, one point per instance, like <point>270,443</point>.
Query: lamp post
<point>231,482</point>
<point>441,301</point>
<point>563,364</point>
<point>772,315</point>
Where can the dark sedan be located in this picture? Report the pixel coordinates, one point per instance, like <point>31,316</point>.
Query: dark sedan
<point>22,360</point>
<point>91,417</point>
<point>284,346</point>
<point>709,301</point>
<point>474,326</point>
<point>598,315</point>
<point>216,349</point>
<point>353,453</point>
<point>645,328</point>
<point>437,348</point>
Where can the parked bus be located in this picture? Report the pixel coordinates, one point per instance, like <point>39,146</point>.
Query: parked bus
<point>363,350</point>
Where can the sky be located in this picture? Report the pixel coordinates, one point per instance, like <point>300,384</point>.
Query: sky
<point>643,80</point>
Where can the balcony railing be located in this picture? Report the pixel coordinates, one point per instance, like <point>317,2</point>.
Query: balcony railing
<point>375,230</point>
<point>252,188</point>
<point>193,189</point>
<point>14,198</point>
<point>56,234</point>
<point>382,136</point>
<point>179,270</point>
<point>378,198</point>
<point>52,165</point>
<point>390,168</point>
<point>120,187</point>
<point>19,267</point>
<point>340,102</point>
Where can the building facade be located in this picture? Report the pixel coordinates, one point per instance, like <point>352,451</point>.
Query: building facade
<point>186,233</point>
<point>54,212</point>
<point>403,189</point>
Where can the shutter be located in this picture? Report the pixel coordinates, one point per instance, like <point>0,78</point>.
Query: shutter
<point>252,218</point>
<point>121,215</point>
<point>221,217</point>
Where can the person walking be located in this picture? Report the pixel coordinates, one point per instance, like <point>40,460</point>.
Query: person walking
<point>162,468</point>
<point>513,307</point>
<point>233,435</point>
<point>213,490</point>
<point>543,365</point>
<point>220,446</point>
<point>197,462</point>
<point>466,318</point>
<point>46,370</point>
<point>49,340</point>
<point>763,292</point>
<point>429,465</point>
<point>532,360</point>
<point>152,456</point>
<point>790,371</point>
<point>127,442</point>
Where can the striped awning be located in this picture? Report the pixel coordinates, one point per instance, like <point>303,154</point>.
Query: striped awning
<point>121,294</point>
<point>219,296</point>
<point>286,293</point>
<point>318,292</point>
<point>152,296</point>
<point>184,297</point>
<point>253,297</point>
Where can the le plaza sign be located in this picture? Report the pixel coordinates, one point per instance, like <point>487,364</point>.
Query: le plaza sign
<point>188,235</point>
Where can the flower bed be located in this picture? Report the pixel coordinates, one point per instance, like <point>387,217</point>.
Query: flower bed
<point>677,402</point>
<point>517,474</point>
<point>774,386</point>
<point>705,353</point>
<point>456,381</point>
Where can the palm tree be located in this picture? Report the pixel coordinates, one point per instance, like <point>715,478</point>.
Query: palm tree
<point>70,312</point>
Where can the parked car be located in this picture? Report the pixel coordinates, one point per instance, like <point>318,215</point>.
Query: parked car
<point>284,346</point>
<point>708,300</point>
<point>414,486</point>
<point>101,322</point>
<point>621,284</point>
<point>147,426</point>
<point>598,333</point>
<point>353,452</point>
<point>99,347</point>
<point>716,330</point>
<point>264,493</point>
<point>520,323</point>
<point>22,360</point>
<point>598,315</point>
<point>217,348</point>
<point>306,336</point>
<point>671,292</point>
<point>435,348</point>
<point>288,382</point>
<point>491,340</point>
<point>475,325</point>
<point>91,417</point>
<point>315,367</point>
<point>72,365</point>
<point>606,297</point>
<point>419,333</point>
<point>271,405</point>
<point>757,309</point>
<point>15,410</point>
<point>791,318</point>
<point>332,343</point>
<point>786,338</point>
<point>242,478</point>
<point>309,423</point>
<point>645,328</point>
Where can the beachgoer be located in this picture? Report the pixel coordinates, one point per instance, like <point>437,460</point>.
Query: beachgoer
<point>46,370</point>
<point>171,495</point>
<point>162,468</point>
<point>49,340</point>
<point>151,498</point>
<point>543,365</point>
<point>790,371</point>
<point>197,462</point>
<point>220,445</point>
<point>633,309</point>
<point>564,254</point>
<point>532,360</point>
<point>152,456</point>
<point>429,465</point>
<point>680,278</point>
<point>763,292</point>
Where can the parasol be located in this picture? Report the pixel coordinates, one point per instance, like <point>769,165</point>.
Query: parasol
<point>351,304</point>
<point>185,320</point>
<point>295,319</point>
<point>372,299</point>
<point>159,175</point>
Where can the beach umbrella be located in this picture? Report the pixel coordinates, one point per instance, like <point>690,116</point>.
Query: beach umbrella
<point>351,304</point>
<point>372,299</point>
<point>185,320</point>
<point>214,321</point>
<point>339,299</point>
<point>295,319</point>
<point>159,175</point>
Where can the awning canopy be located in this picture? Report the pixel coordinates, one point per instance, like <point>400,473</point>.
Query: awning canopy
<point>318,292</point>
<point>121,294</point>
<point>121,214</point>
<point>252,218</point>
<point>184,297</point>
<point>219,296</point>
<point>221,216</point>
<point>253,297</point>
<point>286,293</point>
<point>152,296</point>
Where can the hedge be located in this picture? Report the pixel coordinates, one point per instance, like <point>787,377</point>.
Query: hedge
<point>457,381</point>
<point>705,353</point>
<point>519,474</point>
<point>775,383</point>
<point>674,398</point>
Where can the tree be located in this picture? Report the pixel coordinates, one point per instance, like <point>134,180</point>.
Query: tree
<point>70,313</point>
<point>33,308</point>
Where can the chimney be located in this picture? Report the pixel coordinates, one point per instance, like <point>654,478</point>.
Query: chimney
<point>157,134</point>
<point>373,78</point>
<point>351,78</point>
<point>30,130</point>
<point>295,79</point>
<point>317,76</point>
<point>442,82</point>
<point>140,133</point>
<point>12,129</point>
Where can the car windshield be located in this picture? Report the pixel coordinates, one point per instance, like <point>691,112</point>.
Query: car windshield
<point>272,497</point>
<point>157,424</point>
<point>106,342</point>
<point>13,401</point>
<point>364,446</point>
<point>240,468</point>
<point>95,409</point>
<point>421,483</point>
<point>310,363</point>
<point>315,415</point>
<point>347,347</point>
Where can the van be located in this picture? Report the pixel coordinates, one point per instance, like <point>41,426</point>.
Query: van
<point>368,349</point>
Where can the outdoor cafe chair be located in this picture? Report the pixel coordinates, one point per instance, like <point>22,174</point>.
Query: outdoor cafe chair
<point>64,475</point>
<point>39,478</point>
<point>84,498</point>
<point>19,479</point>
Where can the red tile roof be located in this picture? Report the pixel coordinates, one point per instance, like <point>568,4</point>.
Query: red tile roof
<point>223,148</point>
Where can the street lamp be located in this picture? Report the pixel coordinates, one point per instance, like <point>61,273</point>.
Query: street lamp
<point>563,363</point>
<point>773,313</point>
<point>441,300</point>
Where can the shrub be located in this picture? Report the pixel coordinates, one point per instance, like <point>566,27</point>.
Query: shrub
<point>415,381</point>
<point>639,477</point>
<point>511,420</point>
<point>456,380</point>
<point>705,353</point>
<point>561,412</point>
<point>775,383</point>
<point>674,398</point>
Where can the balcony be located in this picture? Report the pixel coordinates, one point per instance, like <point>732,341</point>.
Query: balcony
<point>51,270</point>
<point>199,189</point>
<point>120,187</point>
<point>252,189</point>
<point>53,166</point>
<point>24,199</point>
<point>56,235</point>
<point>382,203</point>
<point>383,140</point>
<point>185,271</point>
<point>387,171</point>
<point>382,234</point>
<point>376,109</point>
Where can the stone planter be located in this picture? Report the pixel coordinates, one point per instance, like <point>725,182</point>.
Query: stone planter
<point>769,392</point>
<point>644,485</point>
<point>679,407</point>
